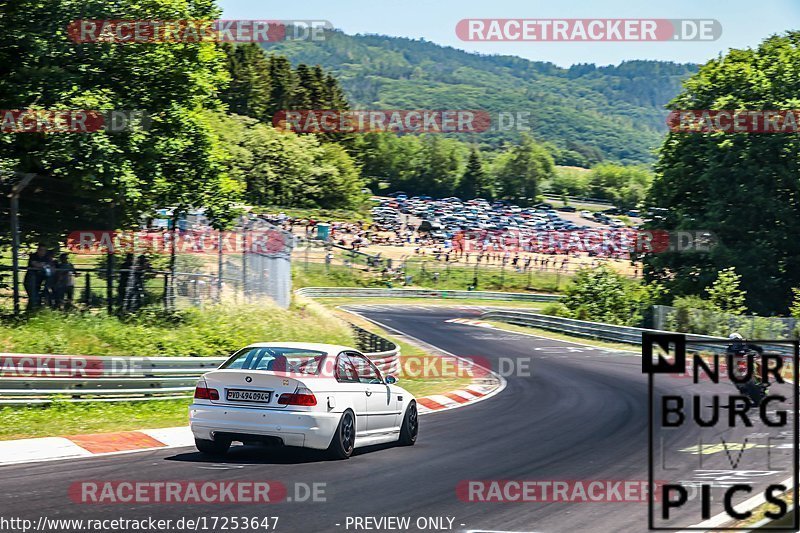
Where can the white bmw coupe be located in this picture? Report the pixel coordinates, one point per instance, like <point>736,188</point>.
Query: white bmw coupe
<point>317,396</point>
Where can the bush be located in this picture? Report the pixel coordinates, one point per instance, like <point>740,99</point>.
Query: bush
<point>556,309</point>
<point>725,293</point>
<point>692,314</point>
<point>603,295</point>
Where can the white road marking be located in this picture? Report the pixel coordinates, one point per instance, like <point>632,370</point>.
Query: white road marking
<point>29,450</point>
<point>181,436</point>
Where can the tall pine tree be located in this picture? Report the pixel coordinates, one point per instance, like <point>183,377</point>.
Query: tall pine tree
<point>474,182</point>
<point>249,93</point>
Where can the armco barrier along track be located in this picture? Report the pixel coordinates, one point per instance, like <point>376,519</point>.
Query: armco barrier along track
<point>38,379</point>
<point>353,292</point>
<point>607,332</point>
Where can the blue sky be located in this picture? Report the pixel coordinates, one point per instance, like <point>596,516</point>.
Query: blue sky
<point>744,23</point>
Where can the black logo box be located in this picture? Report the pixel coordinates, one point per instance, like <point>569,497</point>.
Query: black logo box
<point>666,342</point>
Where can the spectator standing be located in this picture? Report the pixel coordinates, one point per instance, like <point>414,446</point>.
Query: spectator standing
<point>64,282</point>
<point>34,276</point>
<point>142,268</point>
<point>125,271</point>
<point>49,275</point>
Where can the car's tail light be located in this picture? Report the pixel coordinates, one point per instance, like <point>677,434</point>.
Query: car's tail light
<point>204,393</point>
<point>301,396</point>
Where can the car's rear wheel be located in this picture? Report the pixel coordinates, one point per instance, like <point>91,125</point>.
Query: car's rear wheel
<point>410,427</point>
<point>344,439</point>
<point>216,447</point>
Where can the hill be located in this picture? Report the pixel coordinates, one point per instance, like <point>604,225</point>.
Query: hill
<point>588,112</point>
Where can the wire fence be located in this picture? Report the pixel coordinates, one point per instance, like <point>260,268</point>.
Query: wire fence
<point>321,264</point>
<point>136,276</point>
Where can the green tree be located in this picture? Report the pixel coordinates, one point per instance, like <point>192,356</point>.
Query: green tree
<point>437,167</point>
<point>725,294</point>
<point>111,180</point>
<point>590,113</point>
<point>624,186</point>
<point>307,90</point>
<point>474,182</point>
<point>693,314</point>
<point>742,187</point>
<point>569,181</point>
<point>519,170</point>
<point>387,158</point>
<point>282,80</point>
<point>340,177</point>
<point>603,295</point>
<point>794,310</point>
<point>282,168</point>
<point>250,89</point>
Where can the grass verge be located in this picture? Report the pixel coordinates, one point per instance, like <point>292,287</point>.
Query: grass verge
<point>65,418</point>
<point>759,514</point>
<point>424,276</point>
<point>215,330</point>
<point>361,214</point>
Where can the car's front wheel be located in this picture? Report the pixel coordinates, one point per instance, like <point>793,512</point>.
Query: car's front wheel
<point>344,439</point>
<point>410,427</point>
<point>216,447</point>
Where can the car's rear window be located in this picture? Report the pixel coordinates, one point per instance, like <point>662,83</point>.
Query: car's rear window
<point>277,359</point>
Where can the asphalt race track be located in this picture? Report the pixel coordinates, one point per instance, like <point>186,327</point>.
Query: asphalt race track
<point>581,414</point>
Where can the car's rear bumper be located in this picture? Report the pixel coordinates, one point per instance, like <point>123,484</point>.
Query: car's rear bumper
<point>294,428</point>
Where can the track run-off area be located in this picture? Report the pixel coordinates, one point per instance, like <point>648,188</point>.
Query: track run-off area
<point>571,413</point>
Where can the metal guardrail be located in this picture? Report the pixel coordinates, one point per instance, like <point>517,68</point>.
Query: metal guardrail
<point>383,352</point>
<point>608,332</point>
<point>357,292</point>
<point>40,378</point>
<point>582,328</point>
<point>30,379</point>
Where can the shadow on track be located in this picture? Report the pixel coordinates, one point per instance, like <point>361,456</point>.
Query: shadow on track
<point>265,455</point>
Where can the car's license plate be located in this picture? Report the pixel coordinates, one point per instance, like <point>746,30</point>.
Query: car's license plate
<point>238,395</point>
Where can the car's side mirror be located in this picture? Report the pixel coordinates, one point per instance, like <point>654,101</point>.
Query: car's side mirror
<point>390,379</point>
